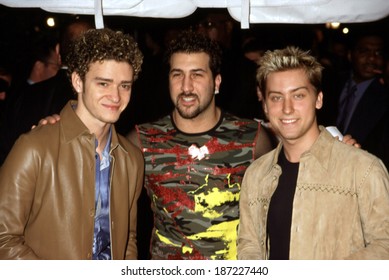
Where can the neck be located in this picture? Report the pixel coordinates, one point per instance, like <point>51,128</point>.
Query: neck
<point>102,139</point>
<point>295,148</point>
<point>199,124</point>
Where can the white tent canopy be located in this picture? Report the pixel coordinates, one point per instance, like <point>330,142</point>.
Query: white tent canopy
<point>245,11</point>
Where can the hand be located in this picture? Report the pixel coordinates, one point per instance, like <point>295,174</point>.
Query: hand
<point>48,120</point>
<point>379,73</point>
<point>349,140</point>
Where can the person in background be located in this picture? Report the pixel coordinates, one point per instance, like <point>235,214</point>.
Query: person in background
<point>362,101</point>
<point>73,29</point>
<point>5,82</point>
<point>312,197</point>
<point>45,58</point>
<point>70,190</point>
<point>31,101</point>
<point>246,103</point>
<point>40,61</point>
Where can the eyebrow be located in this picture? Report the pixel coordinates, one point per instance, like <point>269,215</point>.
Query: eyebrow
<point>302,87</point>
<point>191,70</point>
<point>110,80</point>
<point>293,90</point>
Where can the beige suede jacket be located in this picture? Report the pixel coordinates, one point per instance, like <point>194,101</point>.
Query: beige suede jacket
<point>47,193</point>
<point>340,208</point>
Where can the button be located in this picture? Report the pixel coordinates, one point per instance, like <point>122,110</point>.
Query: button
<point>92,212</point>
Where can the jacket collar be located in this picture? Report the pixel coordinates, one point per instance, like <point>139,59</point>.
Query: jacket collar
<point>73,127</point>
<point>320,149</point>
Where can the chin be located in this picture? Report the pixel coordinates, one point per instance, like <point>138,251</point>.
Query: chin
<point>288,136</point>
<point>110,120</point>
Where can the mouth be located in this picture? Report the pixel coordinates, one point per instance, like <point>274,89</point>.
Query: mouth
<point>372,69</point>
<point>288,121</point>
<point>112,107</point>
<point>187,99</point>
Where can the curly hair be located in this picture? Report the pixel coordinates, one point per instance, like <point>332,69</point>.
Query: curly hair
<point>288,59</point>
<point>103,44</point>
<point>194,42</point>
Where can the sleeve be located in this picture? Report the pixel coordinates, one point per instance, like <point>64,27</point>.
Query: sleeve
<point>373,200</point>
<point>17,187</point>
<point>133,137</point>
<point>265,141</point>
<point>248,237</point>
<point>132,251</point>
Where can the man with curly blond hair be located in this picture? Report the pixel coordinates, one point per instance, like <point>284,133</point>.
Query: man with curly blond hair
<point>69,190</point>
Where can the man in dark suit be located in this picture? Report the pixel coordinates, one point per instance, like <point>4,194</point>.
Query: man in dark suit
<point>362,101</point>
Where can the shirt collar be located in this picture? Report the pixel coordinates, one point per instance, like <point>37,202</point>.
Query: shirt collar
<point>105,154</point>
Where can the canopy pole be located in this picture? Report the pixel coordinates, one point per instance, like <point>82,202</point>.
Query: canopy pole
<point>99,22</point>
<point>245,14</point>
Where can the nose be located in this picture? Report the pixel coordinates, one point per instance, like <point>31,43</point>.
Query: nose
<point>374,55</point>
<point>287,106</point>
<point>114,95</point>
<point>187,84</point>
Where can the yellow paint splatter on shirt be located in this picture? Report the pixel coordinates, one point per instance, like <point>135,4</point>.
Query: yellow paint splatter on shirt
<point>226,231</point>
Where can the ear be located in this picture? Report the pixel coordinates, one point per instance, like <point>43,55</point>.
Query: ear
<point>264,106</point>
<point>319,100</point>
<point>218,81</point>
<point>77,83</point>
<point>57,52</point>
<point>259,95</point>
<point>57,48</point>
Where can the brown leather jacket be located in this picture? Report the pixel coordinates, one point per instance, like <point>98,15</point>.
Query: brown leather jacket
<point>340,208</point>
<point>47,200</point>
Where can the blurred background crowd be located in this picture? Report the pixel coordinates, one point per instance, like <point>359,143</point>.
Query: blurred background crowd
<point>27,37</point>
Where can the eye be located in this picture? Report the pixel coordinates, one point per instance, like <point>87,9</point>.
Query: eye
<point>377,53</point>
<point>275,98</point>
<point>196,75</point>
<point>126,86</point>
<point>103,84</point>
<point>176,75</point>
<point>299,96</point>
<point>370,52</point>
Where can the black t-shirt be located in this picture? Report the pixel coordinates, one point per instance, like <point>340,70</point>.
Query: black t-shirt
<point>279,218</point>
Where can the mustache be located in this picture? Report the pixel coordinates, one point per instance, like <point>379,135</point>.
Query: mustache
<point>183,94</point>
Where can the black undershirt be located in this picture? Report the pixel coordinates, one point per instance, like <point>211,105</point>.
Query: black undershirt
<point>279,218</point>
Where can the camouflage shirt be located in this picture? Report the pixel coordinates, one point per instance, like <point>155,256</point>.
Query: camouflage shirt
<point>193,181</point>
